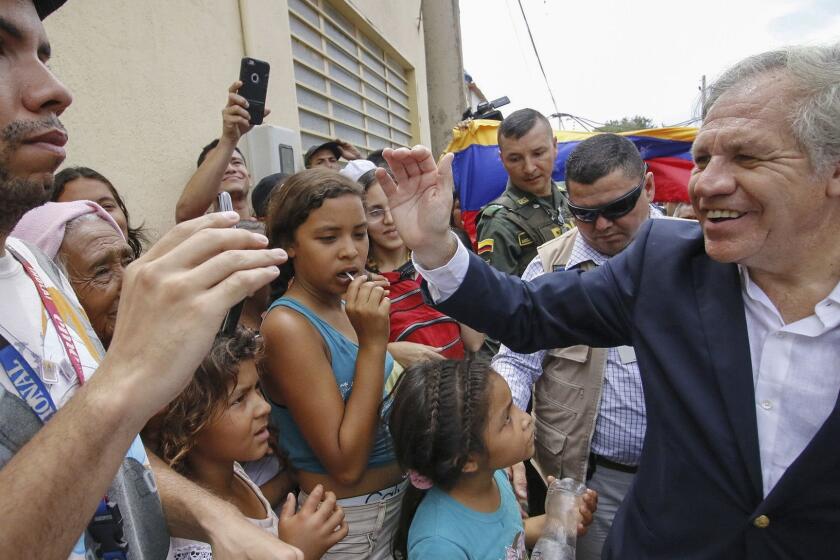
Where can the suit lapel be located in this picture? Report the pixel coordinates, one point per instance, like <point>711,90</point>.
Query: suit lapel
<point>721,309</point>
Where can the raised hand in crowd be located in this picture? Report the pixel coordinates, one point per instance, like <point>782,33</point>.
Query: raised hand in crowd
<point>235,118</point>
<point>421,202</point>
<point>221,165</point>
<point>184,284</point>
<point>348,150</point>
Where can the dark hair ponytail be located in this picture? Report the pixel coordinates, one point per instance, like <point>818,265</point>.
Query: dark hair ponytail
<point>437,421</point>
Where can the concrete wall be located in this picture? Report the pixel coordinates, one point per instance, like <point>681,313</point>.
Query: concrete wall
<point>150,78</point>
<point>446,93</point>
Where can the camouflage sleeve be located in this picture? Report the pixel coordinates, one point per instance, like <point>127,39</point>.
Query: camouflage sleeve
<point>497,243</point>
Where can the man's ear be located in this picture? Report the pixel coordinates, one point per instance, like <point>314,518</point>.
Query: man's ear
<point>833,188</point>
<point>650,186</point>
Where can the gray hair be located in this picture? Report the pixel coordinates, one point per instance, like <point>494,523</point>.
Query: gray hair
<point>72,225</point>
<point>75,222</point>
<point>815,111</point>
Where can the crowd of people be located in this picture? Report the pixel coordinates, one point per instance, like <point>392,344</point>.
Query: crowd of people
<point>391,390</point>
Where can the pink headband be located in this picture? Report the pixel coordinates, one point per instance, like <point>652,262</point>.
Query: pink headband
<point>45,226</point>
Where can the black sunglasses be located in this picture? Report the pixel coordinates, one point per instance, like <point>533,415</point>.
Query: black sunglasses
<point>619,207</point>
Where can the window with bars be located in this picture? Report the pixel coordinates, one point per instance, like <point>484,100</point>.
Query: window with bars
<point>347,86</point>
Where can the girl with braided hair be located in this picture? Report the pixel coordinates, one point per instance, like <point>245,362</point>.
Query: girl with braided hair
<point>455,429</point>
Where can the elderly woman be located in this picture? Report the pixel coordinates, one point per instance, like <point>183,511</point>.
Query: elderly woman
<point>86,242</point>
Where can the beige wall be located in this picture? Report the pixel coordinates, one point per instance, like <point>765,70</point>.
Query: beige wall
<point>445,86</point>
<point>150,78</point>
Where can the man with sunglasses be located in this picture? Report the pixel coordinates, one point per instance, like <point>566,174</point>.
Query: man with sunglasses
<point>735,319</point>
<point>588,402</point>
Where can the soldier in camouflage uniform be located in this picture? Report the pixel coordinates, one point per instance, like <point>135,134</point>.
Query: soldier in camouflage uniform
<point>532,210</point>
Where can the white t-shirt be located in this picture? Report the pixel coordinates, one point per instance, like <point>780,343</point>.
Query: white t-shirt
<point>186,549</point>
<point>25,324</point>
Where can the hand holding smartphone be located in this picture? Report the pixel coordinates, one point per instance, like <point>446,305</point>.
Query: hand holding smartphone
<point>253,74</point>
<point>225,204</point>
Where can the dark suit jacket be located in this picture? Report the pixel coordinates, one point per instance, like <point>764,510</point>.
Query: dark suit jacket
<point>698,491</point>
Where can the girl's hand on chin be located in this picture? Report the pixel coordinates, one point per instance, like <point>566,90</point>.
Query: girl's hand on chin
<point>367,306</point>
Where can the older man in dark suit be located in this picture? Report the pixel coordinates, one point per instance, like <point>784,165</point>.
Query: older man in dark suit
<point>736,322</point>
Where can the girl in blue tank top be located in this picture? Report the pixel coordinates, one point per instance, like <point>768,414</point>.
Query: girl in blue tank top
<point>327,372</point>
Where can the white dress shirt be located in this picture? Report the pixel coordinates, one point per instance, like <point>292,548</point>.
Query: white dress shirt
<point>796,373</point>
<point>796,367</point>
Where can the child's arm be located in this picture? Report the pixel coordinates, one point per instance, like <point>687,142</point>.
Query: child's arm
<point>534,525</point>
<point>409,353</point>
<point>300,375</point>
<point>471,337</point>
<point>195,513</point>
<point>533,529</point>
<point>278,487</point>
<point>316,527</point>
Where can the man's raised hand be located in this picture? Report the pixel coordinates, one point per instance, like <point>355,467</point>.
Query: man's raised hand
<point>173,301</point>
<point>421,202</point>
<point>236,120</point>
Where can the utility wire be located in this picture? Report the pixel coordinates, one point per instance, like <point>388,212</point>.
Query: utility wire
<point>585,126</point>
<point>536,52</point>
<point>518,39</point>
<point>591,122</point>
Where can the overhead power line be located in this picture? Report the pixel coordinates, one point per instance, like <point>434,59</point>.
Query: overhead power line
<point>537,53</point>
<point>587,124</point>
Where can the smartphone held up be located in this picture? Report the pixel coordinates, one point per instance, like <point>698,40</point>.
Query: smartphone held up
<point>225,204</point>
<point>253,74</point>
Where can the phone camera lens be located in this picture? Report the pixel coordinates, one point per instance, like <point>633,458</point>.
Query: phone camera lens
<point>255,78</point>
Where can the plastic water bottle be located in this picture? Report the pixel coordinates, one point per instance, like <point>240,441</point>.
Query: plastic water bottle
<point>559,536</point>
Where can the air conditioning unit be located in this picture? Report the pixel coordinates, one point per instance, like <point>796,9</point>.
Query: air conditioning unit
<point>270,149</point>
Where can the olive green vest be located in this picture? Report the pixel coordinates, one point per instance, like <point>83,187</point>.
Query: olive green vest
<point>528,215</point>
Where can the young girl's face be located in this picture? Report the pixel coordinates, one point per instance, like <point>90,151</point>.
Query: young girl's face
<point>509,435</point>
<point>331,243</point>
<point>240,432</point>
<point>381,229</point>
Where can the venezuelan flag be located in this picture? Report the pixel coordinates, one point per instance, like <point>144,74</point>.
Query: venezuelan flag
<point>480,176</point>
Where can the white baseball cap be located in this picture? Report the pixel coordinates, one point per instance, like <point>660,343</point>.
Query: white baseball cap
<point>356,168</point>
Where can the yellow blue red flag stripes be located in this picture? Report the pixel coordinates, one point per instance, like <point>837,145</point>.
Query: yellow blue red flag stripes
<point>480,176</point>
